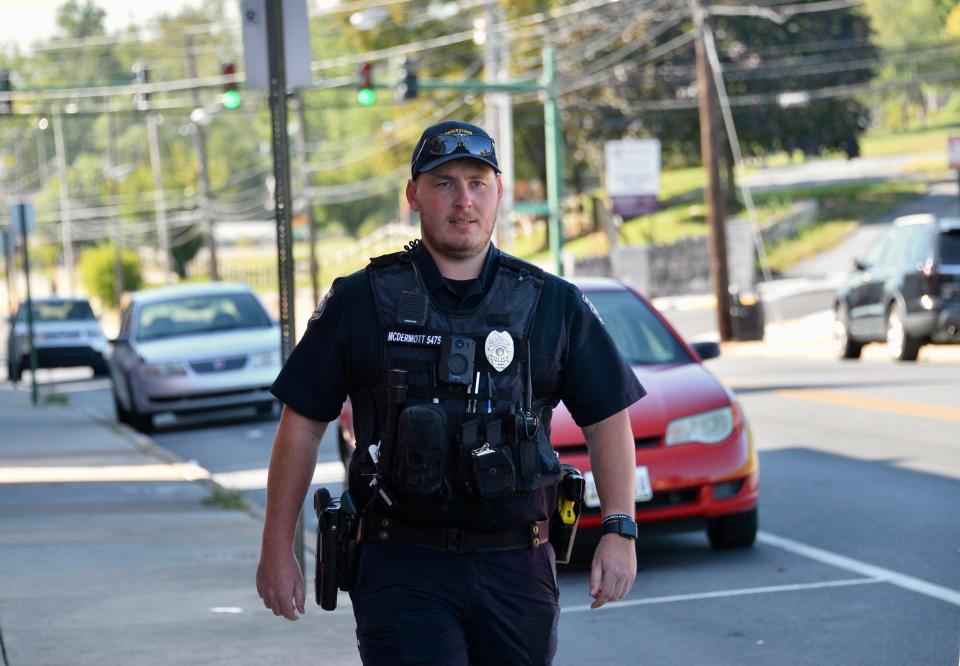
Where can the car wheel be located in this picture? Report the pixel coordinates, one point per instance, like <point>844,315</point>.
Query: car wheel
<point>738,530</point>
<point>140,422</point>
<point>123,416</point>
<point>900,345</point>
<point>345,447</point>
<point>843,345</point>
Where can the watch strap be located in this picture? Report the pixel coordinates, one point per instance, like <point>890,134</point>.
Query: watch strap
<point>620,524</point>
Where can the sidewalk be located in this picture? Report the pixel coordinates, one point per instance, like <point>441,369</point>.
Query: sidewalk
<point>109,556</point>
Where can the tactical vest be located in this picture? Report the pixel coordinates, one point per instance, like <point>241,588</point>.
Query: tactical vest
<point>464,427</point>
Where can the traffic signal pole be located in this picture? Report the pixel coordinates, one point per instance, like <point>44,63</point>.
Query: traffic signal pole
<point>553,131</point>
<point>554,149</point>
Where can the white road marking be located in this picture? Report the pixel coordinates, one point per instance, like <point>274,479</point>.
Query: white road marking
<point>841,562</point>
<point>256,479</point>
<point>719,594</point>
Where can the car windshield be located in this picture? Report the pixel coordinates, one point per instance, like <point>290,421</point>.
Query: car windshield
<point>200,314</point>
<point>638,333</point>
<point>950,247</point>
<point>58,311</point>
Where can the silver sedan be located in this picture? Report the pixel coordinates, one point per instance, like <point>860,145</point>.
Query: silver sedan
<point>192,348</point>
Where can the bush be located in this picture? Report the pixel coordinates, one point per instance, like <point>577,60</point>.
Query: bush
<point>96,272</point>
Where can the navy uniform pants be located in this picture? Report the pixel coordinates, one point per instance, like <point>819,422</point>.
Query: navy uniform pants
<point>420,606</point>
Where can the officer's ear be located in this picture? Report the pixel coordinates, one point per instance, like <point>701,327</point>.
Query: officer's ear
<point>411,193</point>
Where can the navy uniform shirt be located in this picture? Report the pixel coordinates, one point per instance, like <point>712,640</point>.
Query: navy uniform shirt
<point>340,350</point>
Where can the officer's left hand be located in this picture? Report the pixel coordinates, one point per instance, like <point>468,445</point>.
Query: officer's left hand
<point>613,571</point>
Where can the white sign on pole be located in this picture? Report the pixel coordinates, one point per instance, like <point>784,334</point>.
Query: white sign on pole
<point>633,167</point>
<point>296,44</point>
<point>953,152</point>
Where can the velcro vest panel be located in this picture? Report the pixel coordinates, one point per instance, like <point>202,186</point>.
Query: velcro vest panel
<point>476,434</point>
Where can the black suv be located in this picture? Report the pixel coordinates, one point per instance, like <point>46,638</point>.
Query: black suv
<point>905,291</point>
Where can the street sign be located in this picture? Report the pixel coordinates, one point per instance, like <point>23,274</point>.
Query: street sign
<point>296,43</point>
<point>21,215</point>
<point>953,152</point>
<point>633,175</point>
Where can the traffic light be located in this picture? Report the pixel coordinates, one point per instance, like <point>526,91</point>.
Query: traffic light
<point>407,86</point>
<point>231,96</point>
<point>6,105</point>
<point>141,76</point>
<point>366,95</point>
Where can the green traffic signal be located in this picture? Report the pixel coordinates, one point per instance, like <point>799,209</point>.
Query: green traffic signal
<point>366,97</point>
<point>231,99</point>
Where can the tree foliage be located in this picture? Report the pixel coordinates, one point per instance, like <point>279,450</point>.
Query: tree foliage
<point>96,269</point>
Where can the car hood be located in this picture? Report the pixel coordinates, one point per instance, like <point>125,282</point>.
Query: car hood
<point>673,391</point>
<point>222,344</point>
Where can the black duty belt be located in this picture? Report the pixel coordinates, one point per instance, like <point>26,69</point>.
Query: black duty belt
<point>454,539</point>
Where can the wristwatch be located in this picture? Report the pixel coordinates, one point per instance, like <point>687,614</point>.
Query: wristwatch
<point>623,525</point>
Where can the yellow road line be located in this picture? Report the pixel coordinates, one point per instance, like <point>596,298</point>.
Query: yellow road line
<point>905,407</point>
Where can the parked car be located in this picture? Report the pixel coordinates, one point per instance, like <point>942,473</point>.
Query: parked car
<point>192,348</point>
<point>905,291</point>
<point>65,334</point>
<point>696,465</point>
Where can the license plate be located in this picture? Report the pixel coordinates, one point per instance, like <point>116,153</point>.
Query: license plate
<point>644,490</point>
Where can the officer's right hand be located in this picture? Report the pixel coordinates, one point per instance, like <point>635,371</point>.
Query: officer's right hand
<point>280,583</point>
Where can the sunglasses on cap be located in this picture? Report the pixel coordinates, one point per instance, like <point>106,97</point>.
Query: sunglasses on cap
<point>447,144</point>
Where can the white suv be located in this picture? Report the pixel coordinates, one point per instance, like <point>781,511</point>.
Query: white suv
<point>65,334</point>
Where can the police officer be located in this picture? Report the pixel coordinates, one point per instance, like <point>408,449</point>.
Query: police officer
<point>453,354</point>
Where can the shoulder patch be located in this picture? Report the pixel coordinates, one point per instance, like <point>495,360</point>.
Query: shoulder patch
<point>323,304</point>
<point>592,307</point>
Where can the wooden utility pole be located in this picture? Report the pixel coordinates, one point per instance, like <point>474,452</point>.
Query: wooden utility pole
<point>713,194</point>
<point>200,145</point>
<point>307,207</point>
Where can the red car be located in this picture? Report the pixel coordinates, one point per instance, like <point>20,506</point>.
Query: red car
<point>696,463</point>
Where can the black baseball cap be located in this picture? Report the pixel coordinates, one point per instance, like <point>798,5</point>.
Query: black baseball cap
<point>452,140</point>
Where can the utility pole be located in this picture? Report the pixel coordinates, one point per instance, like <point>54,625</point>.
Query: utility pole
<point>160,199</point>
<point>713,194</point>
<point>498,112</point>
<point>66,232</point>
<point>41,140</point>
<point>114,214</point>
<point>307,208</point>
<point>281,193</point>
<point>142,103</point>
<point>200,145</point>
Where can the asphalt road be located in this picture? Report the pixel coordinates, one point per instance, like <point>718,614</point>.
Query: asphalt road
<point>858,560</point>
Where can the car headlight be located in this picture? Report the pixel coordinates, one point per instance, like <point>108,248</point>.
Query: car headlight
<point>707,427</point>
<point>266,358</point>
<point>163,369</point>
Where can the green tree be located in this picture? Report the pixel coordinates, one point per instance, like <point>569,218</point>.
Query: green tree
<point>96,268</point>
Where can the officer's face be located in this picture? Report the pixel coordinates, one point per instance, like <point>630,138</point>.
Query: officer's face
<point>458,204</point>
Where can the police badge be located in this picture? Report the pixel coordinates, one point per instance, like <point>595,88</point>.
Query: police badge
<point>498,348</point>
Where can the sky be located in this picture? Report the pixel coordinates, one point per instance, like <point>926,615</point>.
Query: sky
<point>25,21</point>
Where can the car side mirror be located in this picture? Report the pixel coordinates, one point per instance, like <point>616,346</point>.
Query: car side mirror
<point>707,350</point>
<point>859,265</point>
